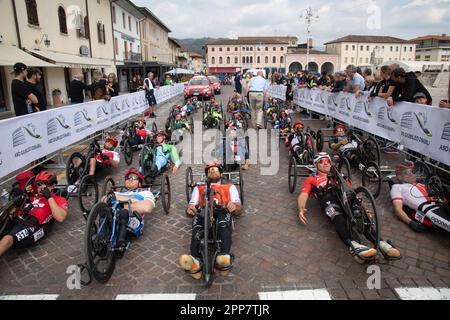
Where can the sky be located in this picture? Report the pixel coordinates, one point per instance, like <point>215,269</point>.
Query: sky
<point>231,18</point>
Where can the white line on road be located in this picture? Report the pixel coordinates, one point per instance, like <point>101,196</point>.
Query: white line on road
<point>316,294</point>
<point>159,297</point>
<point>34,297</point>
<point>423,293</point>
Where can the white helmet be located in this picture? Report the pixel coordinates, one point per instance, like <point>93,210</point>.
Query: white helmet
<point>321,156</point>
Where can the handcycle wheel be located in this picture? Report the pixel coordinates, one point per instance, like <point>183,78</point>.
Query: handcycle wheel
<point>371,151</point>
<point>87,194</point>
<point>344,168</point>
<point>100,258</point>
<point>145,153</point>
<point>154,127</point>
<point>189,183</point>
<point>241,184</point>
<point>166,194</point>
<point>372,178</point>
<point>319,141</point>
<point>128,151</point>
<point>74,172</point>
<point>364,225</point>
<point>108,186</point>
<point>292,174</point>
<point>435,187</point>
<point>208,264</point>
<point>423,171</point>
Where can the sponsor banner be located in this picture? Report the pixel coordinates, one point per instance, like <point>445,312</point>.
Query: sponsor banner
<point>277,91</point>
<point>28,138</point>
<point>420,128</point>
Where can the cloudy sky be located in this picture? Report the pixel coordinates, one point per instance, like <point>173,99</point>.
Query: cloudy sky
<point>230,18</point>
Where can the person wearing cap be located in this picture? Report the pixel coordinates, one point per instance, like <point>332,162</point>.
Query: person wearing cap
<point>34,218</point>
<point>163,155</point>
<point>420,98</point>
<point>408,192</point>
<point>142,204</point>
<point>329,203</point>
<point>223,214</point>
<point>22,97</point>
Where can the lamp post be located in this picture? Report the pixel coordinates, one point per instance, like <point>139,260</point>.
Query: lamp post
<point>308,16</point>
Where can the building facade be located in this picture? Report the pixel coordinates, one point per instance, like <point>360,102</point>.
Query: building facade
<point>229,56</point>
<point>197,62</point>
<point>126,19</point>
<point>319,61</point>
<point>432,48</point>
<point>370,50</point>
<point>175,51</point>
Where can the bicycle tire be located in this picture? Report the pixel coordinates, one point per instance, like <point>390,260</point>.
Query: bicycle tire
<point>371,222</point>
<point>372,171</point>
<point>128,151</point>
<point>292,175</point>
<point>373,148</point>
<point>344,164</point>
<point>72,173</point>
<point>87,182</point>
<point>166,193</point>
<point>189,183</point>
<point>107,186</point>
<point>319,141</point>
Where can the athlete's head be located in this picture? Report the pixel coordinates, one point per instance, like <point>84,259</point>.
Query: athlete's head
<point>111,143</point>
<point>214,172</point>
<point>45,179</point>
<point>322,162</point>
<point>133,179</point>
<point>406,172</point>
<point>340,130</point>
<point>161,136</point>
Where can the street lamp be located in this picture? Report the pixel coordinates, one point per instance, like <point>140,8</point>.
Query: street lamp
<point>308,17</point>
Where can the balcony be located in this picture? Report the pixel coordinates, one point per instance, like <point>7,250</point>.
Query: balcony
<point>132,57</point>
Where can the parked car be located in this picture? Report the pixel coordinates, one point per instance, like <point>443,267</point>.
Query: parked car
<point>199,86</point>
<point>216,84</point>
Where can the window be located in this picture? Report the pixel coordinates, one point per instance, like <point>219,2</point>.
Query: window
<point>367,60</point>
<point>251,48</point>
<point>282,49</point>
<point>236,60</point>
<point>396,49</point>
<point>274,49</point>
<point>267,48</point>
<point>274,59</point>
<point>220,60</point>
<point>361,48</point>
<point>213,60</point>
<point>123,20</point>
<point>62,20</point>
<point>267,60</point>
<point>228,49</point>
<point>87,31</point>
<point>404,49</point>
<point>445,58</point>
<point>236,49</point>
<point>116,46</point>
<point>392,48</point>
<point>220,49</point>
<point>129,23</point>
<point>346,47</point>
<point>418,58</point>
<point>228,60</point>
<point>114,14</point>
<point>32,12</point>
<point>258,60</point>
<point>360,60</point>
<point>353,60</point>
<point>353,47</point>
<point>251,60</point>
<point>243,48</point>
<point>243,60</point>
<point>137,27</point>
<point>368,48</point>
<point>410,49</point>
<point>101,32</point>
<point>427,58</point>
<point>212,49</point>
<point>346,60</point>
<point>282,60</point>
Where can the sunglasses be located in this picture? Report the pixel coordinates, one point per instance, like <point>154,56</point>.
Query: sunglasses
<point>41,184</point>
<point>215,169</point>
<point>325,161</point>
<point>133,177</point>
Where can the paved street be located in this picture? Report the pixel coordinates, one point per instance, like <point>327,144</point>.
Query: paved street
<point>274,253</point>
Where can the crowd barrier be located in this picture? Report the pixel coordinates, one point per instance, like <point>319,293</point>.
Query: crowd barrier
<point>420,128</point>
<point>31,137</point>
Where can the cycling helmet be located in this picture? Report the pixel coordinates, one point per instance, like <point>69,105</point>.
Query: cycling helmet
<point>299,124</point>
<point>136,172</point>
<point>320,156</point>
<point>141,120</point>
<point>113,140</point>
<point>283,110</point>
<point>405,166</point>
<point>213,165</point>
<point>161,133</point>
<point>48,177</point>
<point>340,126</point>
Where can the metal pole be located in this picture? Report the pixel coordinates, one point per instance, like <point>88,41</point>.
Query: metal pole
<point>309,17</point>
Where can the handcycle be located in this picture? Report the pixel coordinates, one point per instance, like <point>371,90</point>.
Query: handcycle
<point>212,116</point>
<point>127,145</point>
<point>102,230</point>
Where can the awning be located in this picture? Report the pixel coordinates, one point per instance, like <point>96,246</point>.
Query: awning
<point>222,70</point>
<point>71,61</point>
<point>10,55</point>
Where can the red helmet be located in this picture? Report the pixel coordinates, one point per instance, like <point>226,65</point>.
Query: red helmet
<point>299,124</point>
<point>283,110</point>
<point>48,177</point>
<point>113,140</point>
<point>161,133</point>
<point>141,120</point>
<point>136,172</point>
<point>213,165</point>
<point>340,126</point>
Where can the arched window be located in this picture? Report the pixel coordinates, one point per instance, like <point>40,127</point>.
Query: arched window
<point>251,60</point>
<point>236,60</point>
<point>101,32</point>
<point>32,12</point>
<point>243,60</point>
<point>213,60</point>
<point>267,60</point>
<point>87,32</point>
<point>220,60</point>
<point>62,20</point>
<point>228,60</point>
<point>274,59</point>
<point>258,60</point>
<point>281,59</point>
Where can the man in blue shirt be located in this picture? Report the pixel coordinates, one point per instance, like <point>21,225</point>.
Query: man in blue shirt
<point>257,88</point>
<point>356,82</point>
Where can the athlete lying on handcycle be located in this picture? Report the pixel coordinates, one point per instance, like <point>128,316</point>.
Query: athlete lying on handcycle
<point>283,121</point>
<point>193,263</point>
<point>344,145</point>
<point>35,213</point>
<point>106,158</point>
<point>422,210</point>
<point>330,205</point>
<point>300,144</point>
<point>180,126</point>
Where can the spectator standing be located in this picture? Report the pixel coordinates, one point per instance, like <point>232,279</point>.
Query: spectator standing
<point>290,86</point>
<point>168,81</point>
<point>99,88</point>
<point>113,85</point>
<point>445,103</point>
<point>340,82</point>
<point>257,89</point>
<point>22,97</point>
<point>407,85</point>
<point>134,85</point>
<point>356,82</point>
<point>34,77</point>
<point>238,82</point>
<point>149,87</point>
<point>77,88</point>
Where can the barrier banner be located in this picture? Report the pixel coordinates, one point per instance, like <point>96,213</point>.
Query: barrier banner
<point>28,138</point>
<point>420,128</point>
<point>277,91</point>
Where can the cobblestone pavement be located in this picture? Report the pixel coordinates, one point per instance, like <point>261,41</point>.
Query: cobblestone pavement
<point>274,252</point>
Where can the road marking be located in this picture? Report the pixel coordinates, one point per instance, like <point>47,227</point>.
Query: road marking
<point>159,297</point>
<point>423,293</point>
<point>315,294</point>
<point>35,297</point>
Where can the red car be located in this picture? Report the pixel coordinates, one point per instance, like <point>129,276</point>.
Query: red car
<point>216,83</point>
<point>199,87</point>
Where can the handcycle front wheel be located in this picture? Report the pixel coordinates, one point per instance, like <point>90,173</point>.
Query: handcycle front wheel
<point>75,168</point>
<point>108,186</point>
<point>371,151</point>
<point>189,183</point>
<point>166,194</point>
<point>100,258</point>
<point>87,194</point>
<point>345,168</point>
<point>364,225</point>
<point>292,179</point>
<point>128,151</point>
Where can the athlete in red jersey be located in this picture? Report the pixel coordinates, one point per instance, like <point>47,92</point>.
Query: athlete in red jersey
<point>316,186</point>
<point>33,223</point>
<point>107,157</point>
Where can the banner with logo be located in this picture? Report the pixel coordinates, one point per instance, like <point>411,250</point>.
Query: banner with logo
<point>31,137</point>
<point>420,128</point>
<point>277,91</point>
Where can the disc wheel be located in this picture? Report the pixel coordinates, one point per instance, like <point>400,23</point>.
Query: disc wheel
<point>75,168</point>
<point>372,179</point>
<point>189,183</point>
<point>166,194</point>
<point>87,194</point>
<point>128,151</point>
<point>101,260</point>
<point>292,179</point>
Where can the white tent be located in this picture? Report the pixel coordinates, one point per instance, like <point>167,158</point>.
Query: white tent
<point>180,71</point>
<point>420,65</point>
